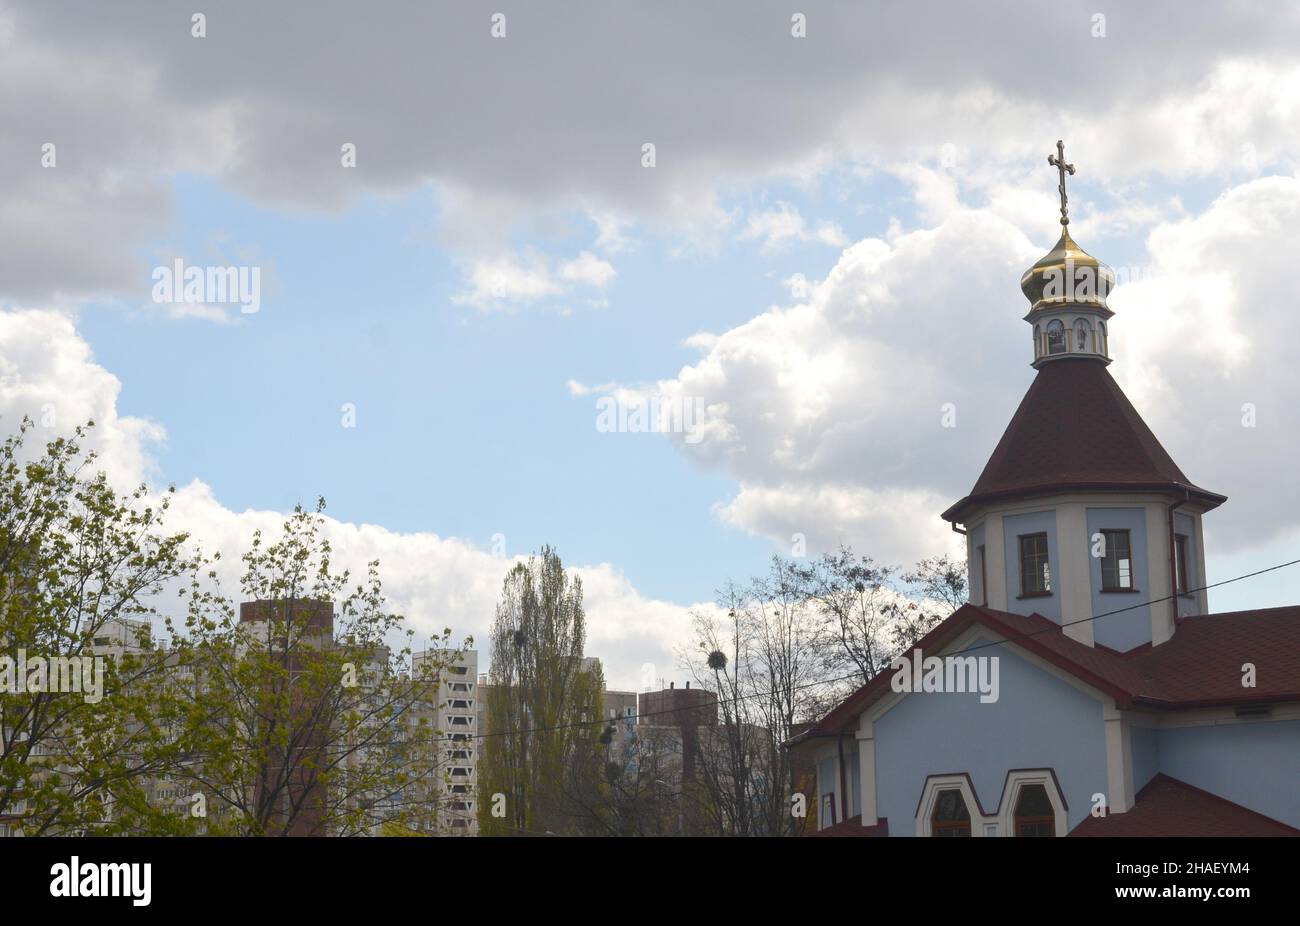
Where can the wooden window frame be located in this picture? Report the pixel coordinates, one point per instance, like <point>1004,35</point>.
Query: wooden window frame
<point>1128,545</point>
<point>1018,820</point>
<point>951,828</point>
<point>1047,560</point>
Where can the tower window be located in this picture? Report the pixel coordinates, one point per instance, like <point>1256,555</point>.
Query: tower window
<point>1116,562</point>
<point>1180,562</point>
<point>1035,570</point>
<point>1103,346</point>
<point>984,583</point>
<point>1035,815</point>
<point>1055,336</point>
<point>950,817</point>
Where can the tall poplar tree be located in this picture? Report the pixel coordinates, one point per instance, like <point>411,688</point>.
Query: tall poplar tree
<point>543,703</point>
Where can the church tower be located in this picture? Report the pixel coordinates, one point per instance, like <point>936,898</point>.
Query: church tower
<point>1080,511</point>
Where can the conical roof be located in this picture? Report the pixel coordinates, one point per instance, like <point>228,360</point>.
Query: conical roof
<point>1076,430</point>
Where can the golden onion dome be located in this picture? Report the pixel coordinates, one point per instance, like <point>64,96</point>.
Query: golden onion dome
<point>1067,275</point>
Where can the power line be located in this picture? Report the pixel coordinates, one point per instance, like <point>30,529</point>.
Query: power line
<point>1140,604</point>
<point>856,675</point>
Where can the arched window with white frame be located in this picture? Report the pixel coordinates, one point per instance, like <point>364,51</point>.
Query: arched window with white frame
<point>949,807</point>
<point>1032,805</point>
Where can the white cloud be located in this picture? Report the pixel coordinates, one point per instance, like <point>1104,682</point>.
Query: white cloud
<point>1210,330</point>
<point>132,100</point>
<point>514,280</point>
<point>439,582</point>
<point>48,374</point>
<point>829,412</point>
<point>435,581</point>
<point>900,523</point>
<point>507,279</point>
<point>611,238</point>
<point>577,388</point>
<point>798,285</point>
<point>783,225</point>
<point>588,270</point>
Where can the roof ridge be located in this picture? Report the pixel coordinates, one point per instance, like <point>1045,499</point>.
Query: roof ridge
<point>1163,777</point>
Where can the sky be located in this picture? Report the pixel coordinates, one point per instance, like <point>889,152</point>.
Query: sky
<point>478,227</point>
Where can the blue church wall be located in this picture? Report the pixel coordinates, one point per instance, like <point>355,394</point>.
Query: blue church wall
<point>1256,765</point>
<point>1013,526</point>
<point>1038,721</point>
<point>1130,628</point>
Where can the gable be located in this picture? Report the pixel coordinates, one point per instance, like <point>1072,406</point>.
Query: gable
<point>1041,719</point>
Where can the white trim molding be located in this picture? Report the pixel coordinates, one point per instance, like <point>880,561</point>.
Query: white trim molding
<point>867,769</point>
<point>1119,760</point>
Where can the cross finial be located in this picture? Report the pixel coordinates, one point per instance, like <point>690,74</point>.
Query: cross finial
<point>1058,161</point>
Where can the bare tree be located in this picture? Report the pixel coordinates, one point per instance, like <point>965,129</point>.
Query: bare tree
<point>870,613</point>
<point>762,662</point>
<point>632,787</point>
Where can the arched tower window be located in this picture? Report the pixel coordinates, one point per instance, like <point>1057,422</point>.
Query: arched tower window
<point>1038,340</point>
<point>1103,347</point>
<point>1055,336</point>
<point>950,817</point>
<point>1082,335</point>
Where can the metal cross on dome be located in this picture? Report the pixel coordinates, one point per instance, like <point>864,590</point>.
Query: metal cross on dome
<point>1058,161</point>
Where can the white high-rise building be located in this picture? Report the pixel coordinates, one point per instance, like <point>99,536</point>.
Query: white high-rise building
<point>457,717</point>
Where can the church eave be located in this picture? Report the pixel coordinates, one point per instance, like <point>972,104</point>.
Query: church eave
<point>956,512</point>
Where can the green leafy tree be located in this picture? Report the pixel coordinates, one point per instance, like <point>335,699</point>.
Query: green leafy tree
<point>81,571</point>
<point>308,715</point>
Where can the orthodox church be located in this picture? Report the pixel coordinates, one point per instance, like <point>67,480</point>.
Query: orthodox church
<point>1120,705</point>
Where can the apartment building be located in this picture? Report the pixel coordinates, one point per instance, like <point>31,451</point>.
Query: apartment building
<point>457,714</point>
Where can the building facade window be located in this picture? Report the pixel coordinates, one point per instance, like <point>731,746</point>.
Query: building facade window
<point>1035,815</point>
<point>1035,570</point>
<point>950,817</point>
<point>1180,563</point>
<point>984,583</point>
<point>1116,562</point>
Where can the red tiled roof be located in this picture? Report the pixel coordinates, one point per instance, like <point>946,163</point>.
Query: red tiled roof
<point>853,827</point>
<point>1169,807</point>
<point>1199,667</point>
<point>1075,429</point>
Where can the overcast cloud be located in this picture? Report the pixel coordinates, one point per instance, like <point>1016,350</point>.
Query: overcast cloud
<point>825,411</point>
